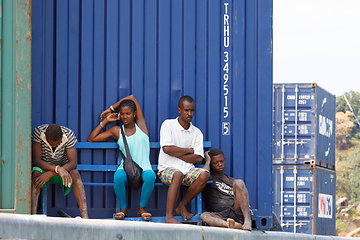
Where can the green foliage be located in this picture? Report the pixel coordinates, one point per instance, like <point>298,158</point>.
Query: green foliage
<point>342,226</point>
<point>341,106</point>
<point>353,98</point>
<point>347,173</point>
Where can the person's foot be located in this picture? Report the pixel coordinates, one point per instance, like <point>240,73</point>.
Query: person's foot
<point>145,215</point>
<point>171,220</point>
<point>247,226</point>
<point>184,212</point>
<point>120,215</point>
<point>232,224</point>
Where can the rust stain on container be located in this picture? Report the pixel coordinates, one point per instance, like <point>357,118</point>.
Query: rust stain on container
<point>29,12</point>
<point>3,161</point>
<point>21,58</point>
<point>17,79</point>
<point>29,35</point>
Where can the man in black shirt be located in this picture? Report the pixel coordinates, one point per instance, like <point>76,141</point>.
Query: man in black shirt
<point>227,198</point>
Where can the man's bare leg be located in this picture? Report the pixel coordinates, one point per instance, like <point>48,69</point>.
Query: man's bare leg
<point>241,198</point>
<point>35,192</point>
<point>172,196</point>
<point>216,221</point>
<point>79,193</point>
<point>192,192</point>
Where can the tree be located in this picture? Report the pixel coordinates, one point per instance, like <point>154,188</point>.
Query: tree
<point>347,174</point>
<point>341,106</point>
<point>343,127</point>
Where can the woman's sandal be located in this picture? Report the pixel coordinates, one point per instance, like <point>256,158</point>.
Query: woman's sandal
<point>119,215</point>
<point>146,216</point>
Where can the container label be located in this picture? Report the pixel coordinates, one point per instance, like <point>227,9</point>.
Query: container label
<point>325,126</point>
<point>301,197</point>
<point>325,205</point>
<point>303,211</point>
<point>302,99</point>
<point>226,68</point>
<point>226,128</point>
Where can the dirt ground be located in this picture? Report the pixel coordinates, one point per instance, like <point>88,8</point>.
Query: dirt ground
<point>352,226</point>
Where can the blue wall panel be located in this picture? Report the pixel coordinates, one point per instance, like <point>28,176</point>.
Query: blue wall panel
<point>89,54</point>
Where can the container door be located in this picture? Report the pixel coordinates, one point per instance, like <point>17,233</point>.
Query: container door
<point>294,121</point>
<point>294,214</point>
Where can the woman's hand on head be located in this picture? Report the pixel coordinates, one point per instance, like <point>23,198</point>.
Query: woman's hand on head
<point>105,113</point>
<point>112,117</point>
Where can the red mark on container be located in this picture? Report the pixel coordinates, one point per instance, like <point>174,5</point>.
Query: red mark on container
<point>17,79</point>
<point>29,35</point>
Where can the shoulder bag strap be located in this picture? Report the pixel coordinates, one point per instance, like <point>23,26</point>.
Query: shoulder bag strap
<point>125,144</point>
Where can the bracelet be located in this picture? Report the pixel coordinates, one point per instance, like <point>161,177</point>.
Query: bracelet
<point>101,124</point>
<point>112,109</point>
<point>56,168</point>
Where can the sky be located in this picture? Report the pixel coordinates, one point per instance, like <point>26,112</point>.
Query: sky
<point>317,41</point>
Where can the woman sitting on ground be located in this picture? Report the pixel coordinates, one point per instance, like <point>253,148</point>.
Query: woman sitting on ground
<point>134,127</point>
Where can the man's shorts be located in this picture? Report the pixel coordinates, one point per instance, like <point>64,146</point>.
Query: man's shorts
<point>234,213</point>
<point>167,175</point>
<point>55,179</point>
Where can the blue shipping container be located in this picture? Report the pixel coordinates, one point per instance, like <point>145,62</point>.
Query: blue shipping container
<point>304,125</point>
<point>89,54</point>
<point>314,205</point>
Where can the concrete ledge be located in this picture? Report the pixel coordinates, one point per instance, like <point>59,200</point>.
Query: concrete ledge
<point>18,226</point>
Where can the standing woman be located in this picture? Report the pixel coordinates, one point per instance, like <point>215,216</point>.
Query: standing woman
<point>137,137</point>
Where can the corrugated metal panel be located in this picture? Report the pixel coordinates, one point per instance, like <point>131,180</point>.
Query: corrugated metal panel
<point>89,54</point>
<point>309,137</point>
<point>15,105</point>
<point>315,198</point>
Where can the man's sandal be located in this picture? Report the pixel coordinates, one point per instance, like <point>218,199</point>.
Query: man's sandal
<point>119,215</point>
<point>146,216</point>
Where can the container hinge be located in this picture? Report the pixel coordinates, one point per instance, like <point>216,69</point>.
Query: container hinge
<point>301,143</point>
<point>286,224</point>
<point>300,224</point>
<point>288,143</point>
